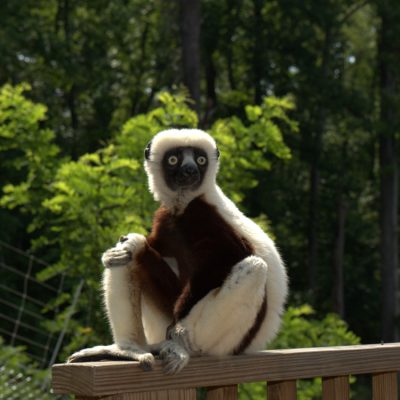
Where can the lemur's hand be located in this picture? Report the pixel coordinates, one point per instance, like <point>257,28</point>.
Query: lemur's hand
<point>123,252</point>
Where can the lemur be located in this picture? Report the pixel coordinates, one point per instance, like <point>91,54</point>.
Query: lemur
<point>206,280</point>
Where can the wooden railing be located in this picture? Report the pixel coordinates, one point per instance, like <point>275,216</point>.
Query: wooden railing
<point>221,375</point>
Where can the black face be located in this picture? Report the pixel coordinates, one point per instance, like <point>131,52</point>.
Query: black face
<point>184,167</point>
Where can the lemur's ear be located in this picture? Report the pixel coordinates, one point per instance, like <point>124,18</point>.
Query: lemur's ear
<point>147,151</point>
<point>217,153</point>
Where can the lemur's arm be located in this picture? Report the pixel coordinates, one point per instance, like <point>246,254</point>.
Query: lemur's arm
<point>122,297</point>
<point>158,279</point>
<point>131,267</point>
<point>134,250</point>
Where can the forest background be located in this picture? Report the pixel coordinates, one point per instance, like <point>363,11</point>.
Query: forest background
<point>302,96</point>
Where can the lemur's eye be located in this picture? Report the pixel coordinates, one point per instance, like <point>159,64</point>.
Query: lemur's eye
<point>201,160</point>
<point>173,160</point>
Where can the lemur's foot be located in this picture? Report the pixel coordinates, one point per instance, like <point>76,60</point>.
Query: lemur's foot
<point>114,353</point>
<point>122,254</point>
<point>180,335</point>
<point>174,357</point>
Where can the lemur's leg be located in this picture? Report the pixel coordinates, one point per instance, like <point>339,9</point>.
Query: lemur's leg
<point>162,287</point>
<point>129,259</point>
<point>122,295</point>
<point>228,317</point>
<point>224,321</point>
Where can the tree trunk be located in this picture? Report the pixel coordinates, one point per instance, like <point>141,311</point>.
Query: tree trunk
<point>190,33</point>
<point>313,221</point>
<point>340,235</point>
<point>317,147</point>
<point>389,248</point>
<point>338,256</point>
<point>389,59</point>
<point>234,8</point>
<point>71,92</point>
<point>211,75</point>
<point>258,51</point>
<point>71,102</point>
<point>137,96</point>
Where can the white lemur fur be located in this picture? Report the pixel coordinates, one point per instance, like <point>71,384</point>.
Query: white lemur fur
<point>239,312</point>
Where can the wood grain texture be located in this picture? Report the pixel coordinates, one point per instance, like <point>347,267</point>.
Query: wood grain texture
<point>182,394</point>
<point>335,388</point>
<point>223,393</point>
<point>104,378</point>
<point>285,390</point>
<point>384,386</point>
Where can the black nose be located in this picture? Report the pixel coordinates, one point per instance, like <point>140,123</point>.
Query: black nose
<point>189,170</point>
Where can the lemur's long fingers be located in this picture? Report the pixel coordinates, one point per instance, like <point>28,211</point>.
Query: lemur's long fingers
<point>173,356</point>
<point>113,352</point>
<point>116,257</point>
<point>115,251</point>
<point>119,258</point>
<point>174,363</point>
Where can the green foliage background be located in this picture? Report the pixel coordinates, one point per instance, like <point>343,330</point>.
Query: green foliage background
<point>293,93</point>
<point>83,206</point>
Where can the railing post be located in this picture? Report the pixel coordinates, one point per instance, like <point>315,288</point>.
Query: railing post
<point>335,388</point>
<point>384,386</point>
<point>284,390</point>
<point>223,393</point>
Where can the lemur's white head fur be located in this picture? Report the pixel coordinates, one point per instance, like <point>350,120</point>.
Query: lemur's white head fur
<point>176,138</point>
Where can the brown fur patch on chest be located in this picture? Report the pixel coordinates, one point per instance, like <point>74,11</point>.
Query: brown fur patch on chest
<point>205,246</point>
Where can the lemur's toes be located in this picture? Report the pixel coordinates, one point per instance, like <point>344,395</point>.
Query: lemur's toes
<point>174,364</point>
<point>174,357</point>
<point>84,355</point>
<point>146,361</point>
<point>72,358</point>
